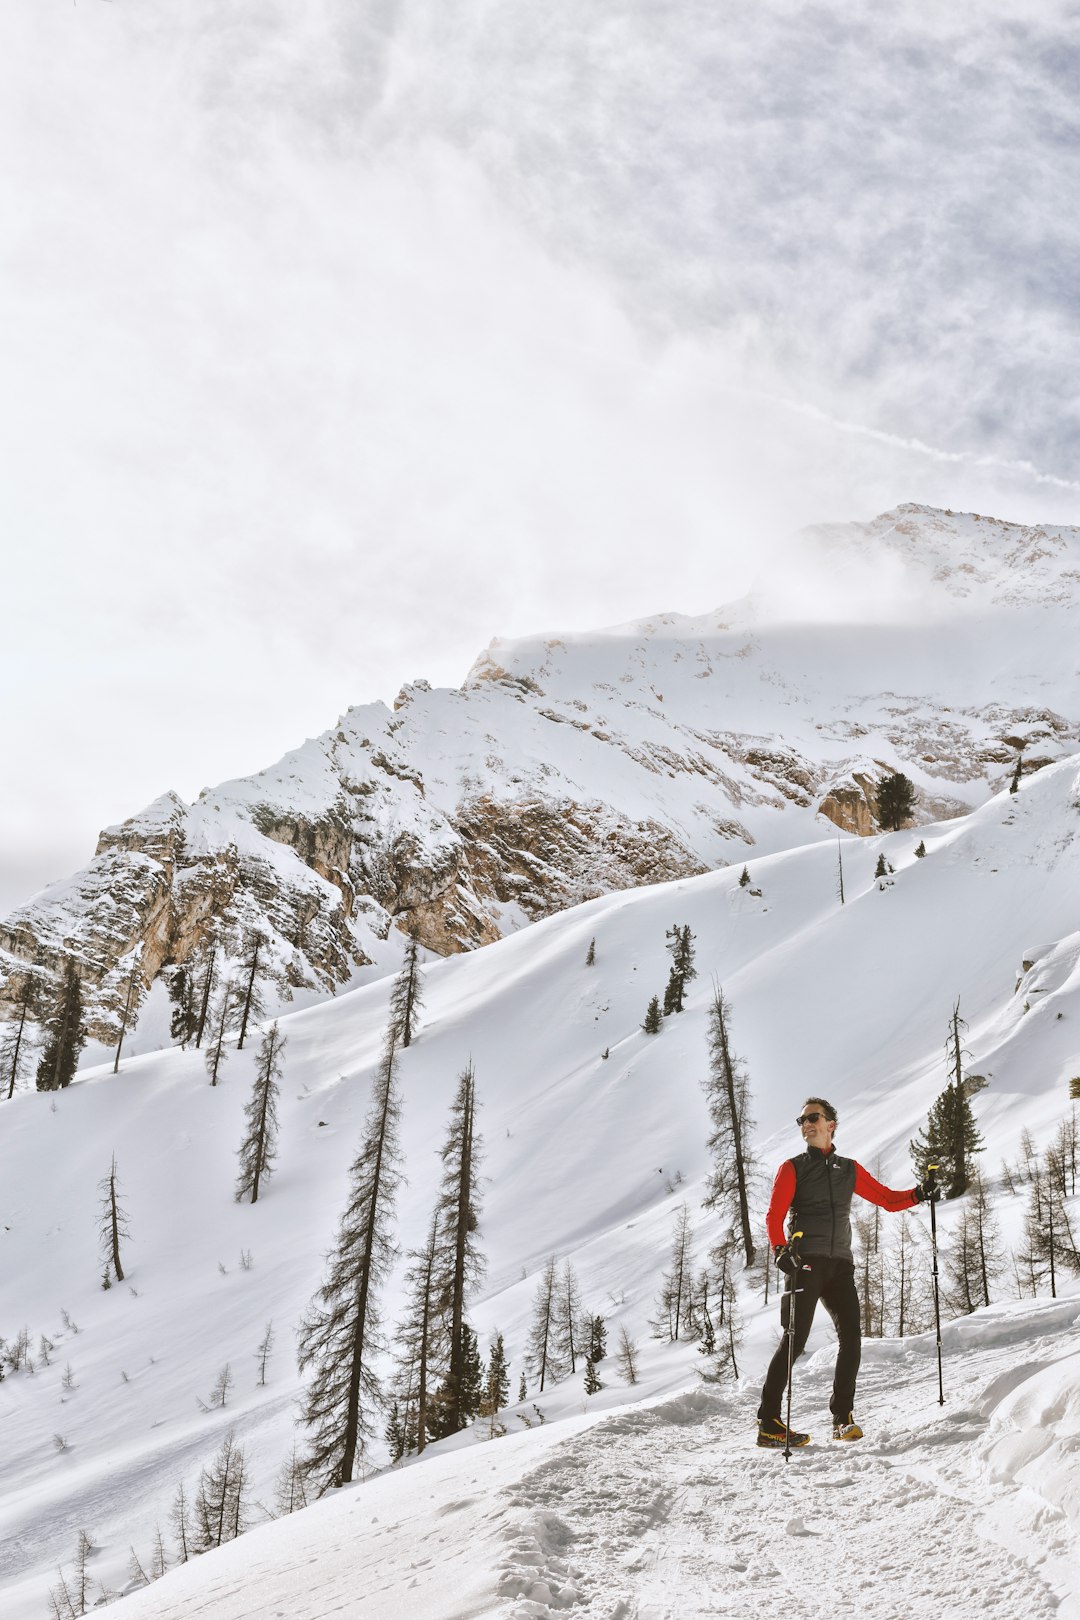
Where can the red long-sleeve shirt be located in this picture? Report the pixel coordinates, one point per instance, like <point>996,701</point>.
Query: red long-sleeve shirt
<point>866,1186</point>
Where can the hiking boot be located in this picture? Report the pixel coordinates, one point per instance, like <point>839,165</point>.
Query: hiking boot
<point>771,1432</point>
<point>846,1428</point>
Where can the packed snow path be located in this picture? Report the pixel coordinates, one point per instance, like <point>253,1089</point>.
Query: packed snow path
<point>673,1512</point>
<point>670,1511</point>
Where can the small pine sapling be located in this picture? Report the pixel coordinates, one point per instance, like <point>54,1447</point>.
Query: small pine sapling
<point>920,848</point>
<point>881,870</point>
<point>590,954</point>
<point>653,1016</point>
<point>592,1382</point>
<point>744,878</point>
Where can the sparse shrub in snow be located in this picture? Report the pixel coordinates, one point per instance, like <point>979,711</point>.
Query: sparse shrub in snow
<point>67,1380</point>
<point>70,1326</point>
<point>246,1261</point>
<point>590,954</point>
<point>60,1442</point>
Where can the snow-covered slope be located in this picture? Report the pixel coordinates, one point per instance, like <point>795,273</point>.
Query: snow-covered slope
<point>594,1137</point>
<point>570,766</point>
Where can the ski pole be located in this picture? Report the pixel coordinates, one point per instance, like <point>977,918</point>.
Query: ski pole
<point>792,1290</point>
<point>931,1169</point>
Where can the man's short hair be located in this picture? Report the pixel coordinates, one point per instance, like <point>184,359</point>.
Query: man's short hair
<point>826,1107</point>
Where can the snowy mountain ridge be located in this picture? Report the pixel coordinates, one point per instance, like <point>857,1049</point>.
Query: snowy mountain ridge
<point>571,766</point>
<point>594,1137</point>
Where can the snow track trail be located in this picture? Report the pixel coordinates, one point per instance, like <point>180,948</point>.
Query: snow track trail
<point>672,1513</point>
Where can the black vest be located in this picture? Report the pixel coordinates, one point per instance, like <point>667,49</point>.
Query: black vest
<point>821,1207</point>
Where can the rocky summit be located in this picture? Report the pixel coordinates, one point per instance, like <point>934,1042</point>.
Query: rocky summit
<point>934,643</point>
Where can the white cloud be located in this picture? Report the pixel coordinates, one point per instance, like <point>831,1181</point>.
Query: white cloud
<point>343,338</point>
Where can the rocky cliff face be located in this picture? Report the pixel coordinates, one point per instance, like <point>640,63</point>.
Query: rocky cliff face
<point>570,766</point>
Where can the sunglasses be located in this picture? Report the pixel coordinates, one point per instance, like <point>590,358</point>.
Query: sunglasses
<point>809,1119</point>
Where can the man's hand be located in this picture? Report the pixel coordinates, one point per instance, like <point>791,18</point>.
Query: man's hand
<point>786,1258</point>
<point>927,1190</point>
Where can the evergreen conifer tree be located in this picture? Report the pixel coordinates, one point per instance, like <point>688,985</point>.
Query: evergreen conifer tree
<point>590,954</point>
<point>419,1339</point>
<point>727,1091</point>
<point>680,942</point>
<point>597,1340</point>
<point>216,1052</point>
<point>881,870</point>
<point>130,1003</point>
<point>258,1150</point>
<point>920,848</point>
<point>113,1224</point>
<point>951,1136</point>
<point>626,1357</point>
<point>675,1285</point>
<point>15,1047</point>
<point>252,1003</point>
<point>340,1337</point>
<point>651,1026</point>
<point>895,800</point>
<point>461,1264</point>
<point>543,1350</point>
<point>220,1508</point>
<point>184,1019</point>
<point>744,878</point>
<point>568,1324</point>
<point>497,1381</point>
<point>65,1036</point>
<point>209,985</point>
<point>592,1380</point>
<point>407,997</point>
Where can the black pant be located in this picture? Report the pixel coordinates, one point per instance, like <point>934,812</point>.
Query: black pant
<point>833,1282</point>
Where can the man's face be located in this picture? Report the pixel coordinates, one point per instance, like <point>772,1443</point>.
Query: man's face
<point>817,1131</point>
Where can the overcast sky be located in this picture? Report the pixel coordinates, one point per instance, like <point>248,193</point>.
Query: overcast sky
<point>339,337</point>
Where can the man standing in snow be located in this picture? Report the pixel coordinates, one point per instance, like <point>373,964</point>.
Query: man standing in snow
<point>817,1187</point>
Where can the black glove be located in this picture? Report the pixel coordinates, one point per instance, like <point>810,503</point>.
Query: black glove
<point>927,1190</point>
<point>786,1259</point>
